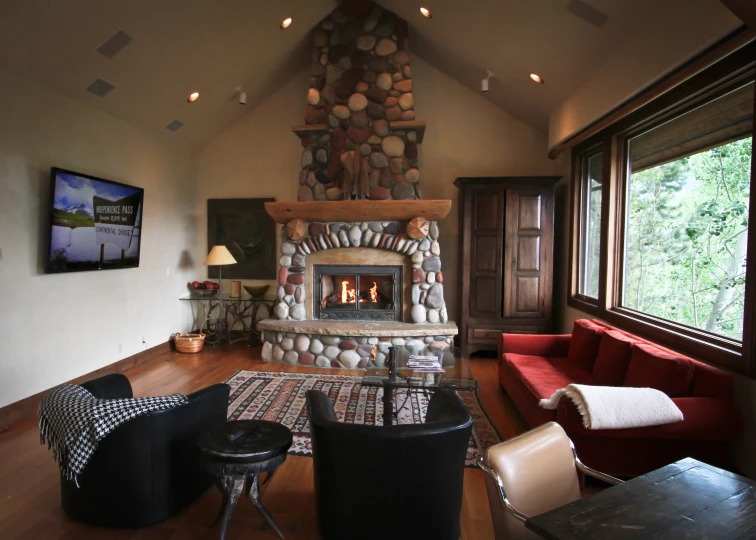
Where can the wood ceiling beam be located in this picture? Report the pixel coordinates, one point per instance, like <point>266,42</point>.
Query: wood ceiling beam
<point>745,10</point>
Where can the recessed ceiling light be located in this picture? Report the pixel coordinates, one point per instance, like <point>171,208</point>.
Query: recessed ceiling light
<point>286,23</point>
<point>426,12</point>
<point>537,78</point>
<point>194,96</point>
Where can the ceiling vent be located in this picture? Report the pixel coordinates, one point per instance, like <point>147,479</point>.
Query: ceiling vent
<point>100,88</point>
<point>115,44</point>
<point>175,125</point>
<point>587,12</point>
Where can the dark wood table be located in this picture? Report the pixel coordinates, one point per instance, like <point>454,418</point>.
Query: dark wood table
<point>687,499</point>
<point>238,452</point>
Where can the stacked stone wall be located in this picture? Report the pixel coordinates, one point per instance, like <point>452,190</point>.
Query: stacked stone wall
<point>361,86</point>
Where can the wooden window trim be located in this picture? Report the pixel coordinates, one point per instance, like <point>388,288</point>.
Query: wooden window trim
<point>735,70</point>
<point>577,236</point>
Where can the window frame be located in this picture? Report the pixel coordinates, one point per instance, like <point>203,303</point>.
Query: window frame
<point>731,72</point>
<point>585,192</point>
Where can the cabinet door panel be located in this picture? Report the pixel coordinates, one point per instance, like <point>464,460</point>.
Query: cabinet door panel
<point>486,217</point>
<point>485,302</point>
<point>529,254</point>
<point>527,294</point>
<point>486,239</point>
<point>485,253</point>
<point>529,213</point>
<point>527,234</point>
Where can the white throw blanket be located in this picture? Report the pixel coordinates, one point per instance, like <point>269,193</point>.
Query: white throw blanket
<point>616,407</point>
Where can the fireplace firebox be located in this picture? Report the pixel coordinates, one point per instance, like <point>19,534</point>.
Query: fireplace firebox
<point>357,292</point>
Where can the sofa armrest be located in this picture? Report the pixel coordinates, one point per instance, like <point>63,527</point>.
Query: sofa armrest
<point>112,386</point>
<point>208,392</point>
<point>319,407</point>
<point>549,345</point>
<point>704,419</point>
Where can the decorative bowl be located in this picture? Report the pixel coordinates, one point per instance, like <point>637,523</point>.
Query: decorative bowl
<point>256,291</point>
<point>203,293</point>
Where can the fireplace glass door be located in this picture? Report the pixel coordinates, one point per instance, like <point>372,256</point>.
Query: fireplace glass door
<point>358,292</point>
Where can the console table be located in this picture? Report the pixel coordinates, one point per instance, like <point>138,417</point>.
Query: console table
<point>238,311</point>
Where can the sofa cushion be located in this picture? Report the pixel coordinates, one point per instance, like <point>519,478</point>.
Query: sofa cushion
<point>543,376</point>
<point>709,381</point>
<point>654,368</point>
<point>584,345</point>
<point>613,358</point>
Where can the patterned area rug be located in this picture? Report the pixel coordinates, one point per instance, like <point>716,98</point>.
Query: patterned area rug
<point>280,397</point>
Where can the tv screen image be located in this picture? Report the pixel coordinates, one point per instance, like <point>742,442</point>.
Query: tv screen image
<point>96,224</point>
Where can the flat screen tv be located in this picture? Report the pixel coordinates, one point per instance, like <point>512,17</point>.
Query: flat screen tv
<point>95,224</point>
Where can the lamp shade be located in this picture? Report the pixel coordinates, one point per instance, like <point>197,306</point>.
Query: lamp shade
<point>218,256</point>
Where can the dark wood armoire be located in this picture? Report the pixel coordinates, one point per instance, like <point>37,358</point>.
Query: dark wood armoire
<point>506,251</point>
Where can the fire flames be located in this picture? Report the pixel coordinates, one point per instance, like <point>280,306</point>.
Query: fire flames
<point>349,296</point>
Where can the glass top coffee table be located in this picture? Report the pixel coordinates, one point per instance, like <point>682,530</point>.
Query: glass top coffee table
<point>456,376</point>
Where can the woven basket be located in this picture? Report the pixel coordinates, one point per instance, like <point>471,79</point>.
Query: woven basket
<point>189,343</point>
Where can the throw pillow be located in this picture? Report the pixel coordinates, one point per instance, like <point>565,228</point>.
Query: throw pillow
<point>584,344</point>
<point>613,358</point>
<point>654,368</point>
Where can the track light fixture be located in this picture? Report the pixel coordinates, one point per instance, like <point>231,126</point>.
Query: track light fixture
<point>242,95</point>
<point>484,82</point>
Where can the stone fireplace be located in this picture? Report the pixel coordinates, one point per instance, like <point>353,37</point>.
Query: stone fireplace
<point>360,268</point>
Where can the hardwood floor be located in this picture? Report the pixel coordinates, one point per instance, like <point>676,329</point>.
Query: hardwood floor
<point>29,484</point>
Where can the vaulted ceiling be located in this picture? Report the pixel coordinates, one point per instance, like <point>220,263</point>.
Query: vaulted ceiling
<point>212,47</point>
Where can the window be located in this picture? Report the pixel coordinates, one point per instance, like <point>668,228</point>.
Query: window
<point>590,241</point>
<point>675,202</point>
<point>686,233</point>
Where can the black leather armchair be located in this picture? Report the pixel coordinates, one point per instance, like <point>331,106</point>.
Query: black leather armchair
<point>147,469</point>
<point>392,482</point>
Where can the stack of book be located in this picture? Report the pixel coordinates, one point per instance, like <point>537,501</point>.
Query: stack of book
<point>424,364</point>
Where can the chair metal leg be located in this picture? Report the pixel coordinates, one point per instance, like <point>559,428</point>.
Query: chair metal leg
<point>254,495</point>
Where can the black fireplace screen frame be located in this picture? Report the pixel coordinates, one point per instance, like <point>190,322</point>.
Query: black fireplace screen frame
<point>394,314</point>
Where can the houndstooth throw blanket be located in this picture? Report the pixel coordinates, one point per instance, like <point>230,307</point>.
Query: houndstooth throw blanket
<point>72,422</point>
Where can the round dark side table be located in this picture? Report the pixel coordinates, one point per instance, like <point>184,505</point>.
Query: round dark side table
<point>237,452</point>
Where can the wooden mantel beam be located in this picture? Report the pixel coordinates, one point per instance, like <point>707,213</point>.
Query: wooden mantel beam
<point>351,211</point>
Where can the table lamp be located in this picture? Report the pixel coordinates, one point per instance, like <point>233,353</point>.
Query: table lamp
<point>220,256</point>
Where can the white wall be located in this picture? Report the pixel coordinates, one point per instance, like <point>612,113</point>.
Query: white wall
<point>57,327</point>
<point>678,31</point>
<point>258,156</point>
<point>466,136</point>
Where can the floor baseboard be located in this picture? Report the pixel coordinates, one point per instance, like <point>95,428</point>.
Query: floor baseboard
<point>10,414</point>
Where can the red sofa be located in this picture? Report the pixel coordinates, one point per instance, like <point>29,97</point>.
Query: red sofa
<point>532,367</point>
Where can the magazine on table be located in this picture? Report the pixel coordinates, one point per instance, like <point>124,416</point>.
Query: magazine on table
<point>424,364</point>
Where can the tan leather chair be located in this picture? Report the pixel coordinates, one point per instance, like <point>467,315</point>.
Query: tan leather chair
<point>532,474</point>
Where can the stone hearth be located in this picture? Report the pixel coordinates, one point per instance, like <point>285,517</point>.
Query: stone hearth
<point>349,344</point>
